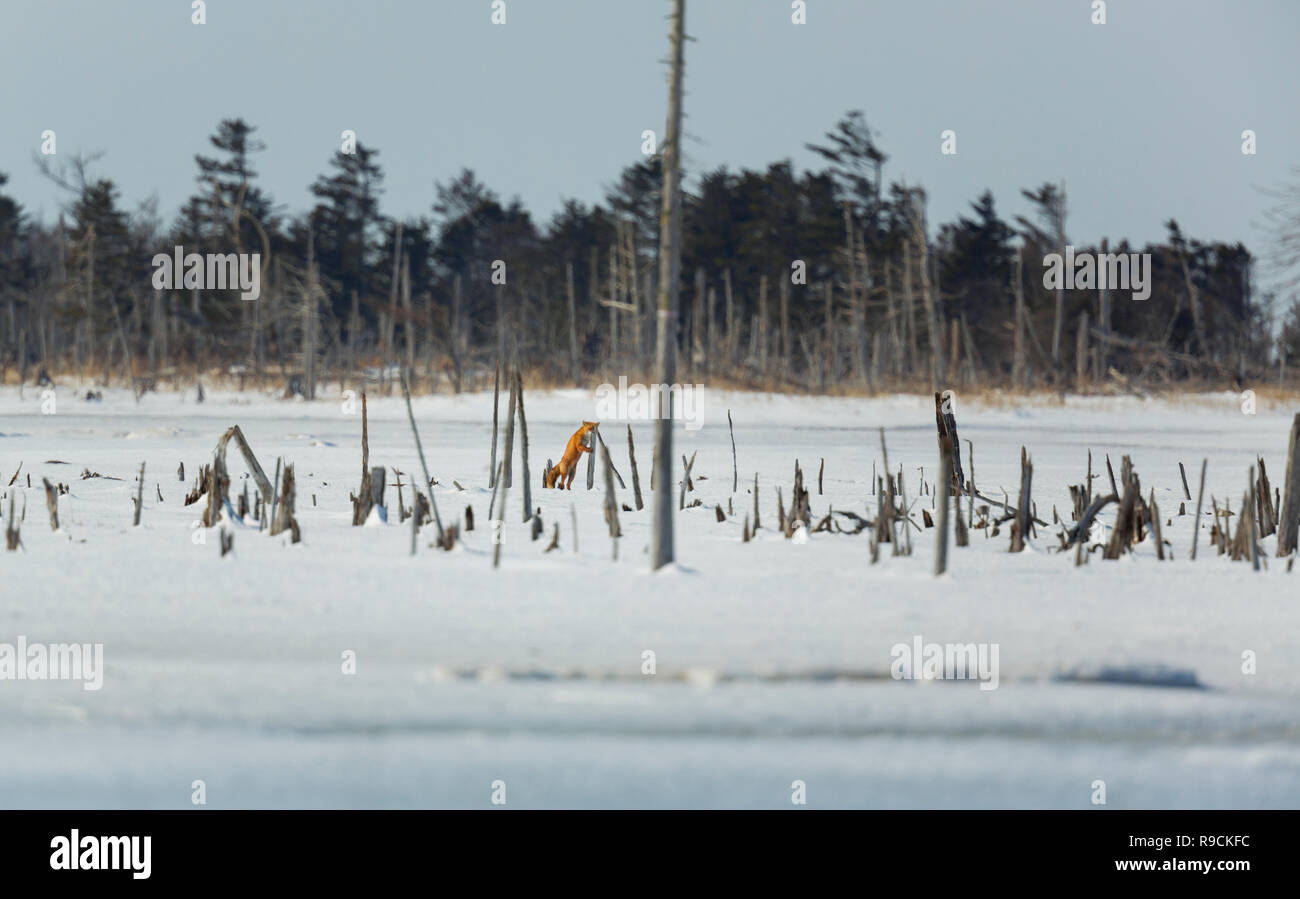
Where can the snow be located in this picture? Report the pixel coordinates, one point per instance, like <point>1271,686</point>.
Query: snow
<point>772,658</point>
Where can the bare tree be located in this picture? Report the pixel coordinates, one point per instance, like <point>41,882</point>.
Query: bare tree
<point>670,263</point>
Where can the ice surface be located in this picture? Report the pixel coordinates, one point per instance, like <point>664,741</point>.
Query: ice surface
<point>772,658</point>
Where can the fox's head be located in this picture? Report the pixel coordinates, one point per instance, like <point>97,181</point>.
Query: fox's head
<point>587,428</point>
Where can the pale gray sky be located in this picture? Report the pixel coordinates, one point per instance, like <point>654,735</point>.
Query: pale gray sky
<point>1141,116</point>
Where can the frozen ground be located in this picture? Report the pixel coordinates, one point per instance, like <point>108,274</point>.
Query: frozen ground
<point>772,658</point>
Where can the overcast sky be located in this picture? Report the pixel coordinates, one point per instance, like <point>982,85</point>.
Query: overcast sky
<point>1142,117</point>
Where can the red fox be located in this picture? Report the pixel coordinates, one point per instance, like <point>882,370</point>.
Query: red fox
<point>562,474</point>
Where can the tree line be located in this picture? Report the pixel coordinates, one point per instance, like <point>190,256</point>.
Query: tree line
<point>826,280</point>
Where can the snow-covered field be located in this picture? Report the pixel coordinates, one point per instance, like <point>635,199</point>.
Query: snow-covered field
<point>772,658</point>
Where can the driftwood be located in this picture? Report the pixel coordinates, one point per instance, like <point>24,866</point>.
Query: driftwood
<point>686,481</point>
<point>618,477</point>
<point>251,460</point>
<point>1079,533</point>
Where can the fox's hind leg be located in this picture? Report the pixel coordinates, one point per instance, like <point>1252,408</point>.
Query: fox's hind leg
<point>573,470</point>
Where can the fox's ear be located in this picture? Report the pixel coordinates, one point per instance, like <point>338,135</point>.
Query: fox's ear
<point>590,424</point>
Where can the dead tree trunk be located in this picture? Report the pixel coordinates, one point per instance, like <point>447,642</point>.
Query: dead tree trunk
<point>946,422</point>
<point>573,324</point>
<point>496,392</point>
<point>284,519</point>
<point>523,447</point>
<point>636,479</point>
<point>1288,525</point>
<point>1020,529</point>
<point>611,500</point>
<point>510,429</point>
<point>662,548</point>
<point>52,502</point>
<point>1019,370</point>
<point>428,481</point>
<point>941,530</point>
<point>139,498</point>
<point>1200,496</point>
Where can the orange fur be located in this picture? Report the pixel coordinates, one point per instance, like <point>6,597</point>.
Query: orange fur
<point>562,474</point>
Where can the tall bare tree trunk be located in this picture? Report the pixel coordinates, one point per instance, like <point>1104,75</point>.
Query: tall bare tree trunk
<point>573,324</point>
<point>670,224</point>
<point>927,295</point>
<point>1058,321</point>
<point>1018,374</point>
<point>309,323</point>
<point>784,293</point>
<point>1103,322</point>
<point>909,323</point>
